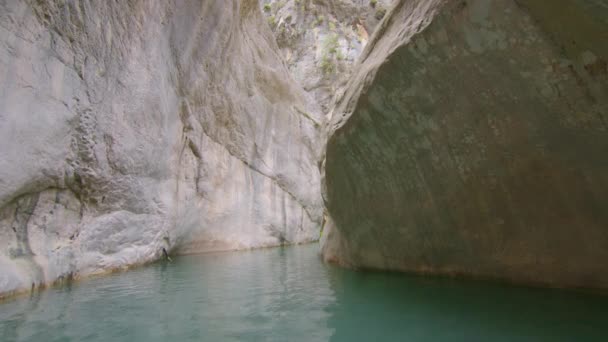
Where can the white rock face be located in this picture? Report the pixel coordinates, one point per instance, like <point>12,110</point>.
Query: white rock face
<point>126,127</point>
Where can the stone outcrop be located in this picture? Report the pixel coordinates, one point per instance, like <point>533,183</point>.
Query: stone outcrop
<point>320,40</point>
<point>131,126</point>
<point>473,140</point>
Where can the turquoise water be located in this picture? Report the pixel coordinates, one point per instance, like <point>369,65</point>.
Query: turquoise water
<point>288,294</point>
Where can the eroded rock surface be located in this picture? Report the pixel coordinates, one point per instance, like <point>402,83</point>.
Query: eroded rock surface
<point>473,139</point>
<point>129,126</point>
<point>320,40</point>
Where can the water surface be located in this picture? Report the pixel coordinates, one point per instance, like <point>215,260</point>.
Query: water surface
<point>288,294</point>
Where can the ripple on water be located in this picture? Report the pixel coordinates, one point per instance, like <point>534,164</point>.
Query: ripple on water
<point>287,294</point>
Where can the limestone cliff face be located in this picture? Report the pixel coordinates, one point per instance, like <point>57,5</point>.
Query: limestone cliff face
<point>130,126</point>
<point>473,139</point>
<point>320,40</point>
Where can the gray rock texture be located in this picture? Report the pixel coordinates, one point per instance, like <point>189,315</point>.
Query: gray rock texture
<point>473,139</point>
<point>131,126</point>
<point>320,40</point>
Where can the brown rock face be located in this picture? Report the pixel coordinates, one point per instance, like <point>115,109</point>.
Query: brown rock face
<point>474,140</point>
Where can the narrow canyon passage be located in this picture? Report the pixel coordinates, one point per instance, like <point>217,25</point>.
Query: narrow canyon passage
<point>288,294</point>
<point>262,166</point>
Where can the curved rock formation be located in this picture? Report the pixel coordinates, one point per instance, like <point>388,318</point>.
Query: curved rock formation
<point>130,126</point>
<point>473,139</point>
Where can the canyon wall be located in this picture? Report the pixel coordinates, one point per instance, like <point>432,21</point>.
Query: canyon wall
<point>131,126</point>
<point>320,40</point>
<point>472,140</point>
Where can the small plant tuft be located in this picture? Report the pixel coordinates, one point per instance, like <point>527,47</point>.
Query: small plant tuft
<point>331,53</point>
<point>327,65</point>
<point>320,20</point>
<point>339,55</point>
<point>272,21</point>
<point>380,13</point>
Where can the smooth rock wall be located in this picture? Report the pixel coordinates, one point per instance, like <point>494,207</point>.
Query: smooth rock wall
<point>473,140</point>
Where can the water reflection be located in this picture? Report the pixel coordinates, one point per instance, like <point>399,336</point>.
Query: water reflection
<point>289,295</point>
<point>398,307</point>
